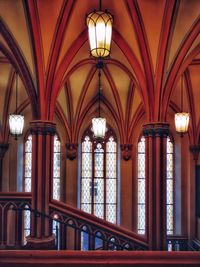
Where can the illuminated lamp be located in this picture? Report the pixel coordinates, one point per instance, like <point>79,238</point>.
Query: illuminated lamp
<point>16,121</point>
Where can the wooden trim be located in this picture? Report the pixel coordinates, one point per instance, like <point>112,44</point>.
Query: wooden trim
<point>98,258</point>
<point>102,224</point>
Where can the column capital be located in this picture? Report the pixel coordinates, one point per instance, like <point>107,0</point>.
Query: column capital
<point>3,149</point>
<point>42,127</point>
<point>71,150</point>
<point>156,129</point>
<point>195,150</point>
<point>126,150</point>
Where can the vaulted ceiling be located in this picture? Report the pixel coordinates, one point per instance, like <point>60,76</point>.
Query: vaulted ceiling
<point>154,43</point>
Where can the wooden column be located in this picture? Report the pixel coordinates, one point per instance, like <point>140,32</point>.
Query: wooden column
<point>42,175</point>
<point>156,138</point>
<point>3,149</point>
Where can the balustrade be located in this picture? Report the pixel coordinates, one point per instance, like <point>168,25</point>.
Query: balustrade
<point>72,229</point>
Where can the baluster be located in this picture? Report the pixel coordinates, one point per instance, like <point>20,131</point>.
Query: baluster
<point>91,241</point>
<point>63,236</point>
<point>18,228</point>
<point>3,227</point>
<point>77,239</point>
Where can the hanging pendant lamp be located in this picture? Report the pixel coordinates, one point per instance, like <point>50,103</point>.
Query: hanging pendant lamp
<point>100,32</point>
<point>182,118</point>
<point>99,123</point>
<point>16,121</point>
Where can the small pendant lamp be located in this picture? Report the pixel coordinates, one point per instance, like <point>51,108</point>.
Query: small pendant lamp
<point>16,121</point>
<point>182,118</point>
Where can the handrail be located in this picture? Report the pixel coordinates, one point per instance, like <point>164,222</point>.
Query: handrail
<point>83,218</point>
<point>15,196</point>
<point>99,258</point>
<point>111,243</point>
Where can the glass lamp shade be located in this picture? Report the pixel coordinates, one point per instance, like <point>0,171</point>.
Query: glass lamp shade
<point>16,124</point>
<point>100,33</point>
<point>99,127</point>
<point>182,122</point>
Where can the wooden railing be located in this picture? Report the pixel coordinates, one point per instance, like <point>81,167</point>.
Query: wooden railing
<point>99,258</point>
<point>87,232</point>
<point>177,243</point>
<point>11,222</point>
<point>73,228</point>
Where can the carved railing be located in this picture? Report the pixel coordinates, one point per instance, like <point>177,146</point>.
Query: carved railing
<point>87,232</point>
<point>177,243</point>
<point>73,228</point>
<point>11,222</point>
<point>195,245</point>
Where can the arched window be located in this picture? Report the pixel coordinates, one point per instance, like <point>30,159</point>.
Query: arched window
<point>56,168</point>
<point>28,164</point>
<point>99,177</point>
<point>141,196</point>
<point>170,187</point>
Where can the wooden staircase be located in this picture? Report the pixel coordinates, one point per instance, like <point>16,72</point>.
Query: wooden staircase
<point>70,225</point>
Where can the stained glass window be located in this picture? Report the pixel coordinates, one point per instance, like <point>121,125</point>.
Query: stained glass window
<point>170,188</point>
<point>141,197</point>
<point>56,168</point>
<point>99,178</point>
<point>28,164</point>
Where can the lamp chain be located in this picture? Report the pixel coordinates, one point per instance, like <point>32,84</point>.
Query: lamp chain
<point>182,93</point>
<point>99,74</point>
<point>16,89</point>
<point>100,5</point>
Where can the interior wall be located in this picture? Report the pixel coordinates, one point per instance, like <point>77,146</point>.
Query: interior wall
<point>184,173</point>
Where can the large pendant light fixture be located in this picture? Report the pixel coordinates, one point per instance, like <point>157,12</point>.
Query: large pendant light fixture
<point>16,121</point>
<point>100,32</point>
<point>99,123</point>
<point>182,118</point>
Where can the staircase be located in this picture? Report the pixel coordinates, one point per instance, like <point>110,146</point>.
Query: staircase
<point>73,228</point>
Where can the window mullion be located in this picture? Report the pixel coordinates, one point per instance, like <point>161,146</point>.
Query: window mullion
<point>92,182</point>
<point>105,179</point>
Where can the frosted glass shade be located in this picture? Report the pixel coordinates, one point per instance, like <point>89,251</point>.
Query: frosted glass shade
<point>182,122</point>
<point>100,33</point>
<point>99,127</point>
<point>16,124</point>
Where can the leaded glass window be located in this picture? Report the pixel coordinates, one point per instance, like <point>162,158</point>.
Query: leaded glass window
<point>27,182</point>
<point>170,187</point>
<point>99,177</point>
<point>56,168</point>
<point>28,164</point>
<point>27,224</point>
<point>141,196</point>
